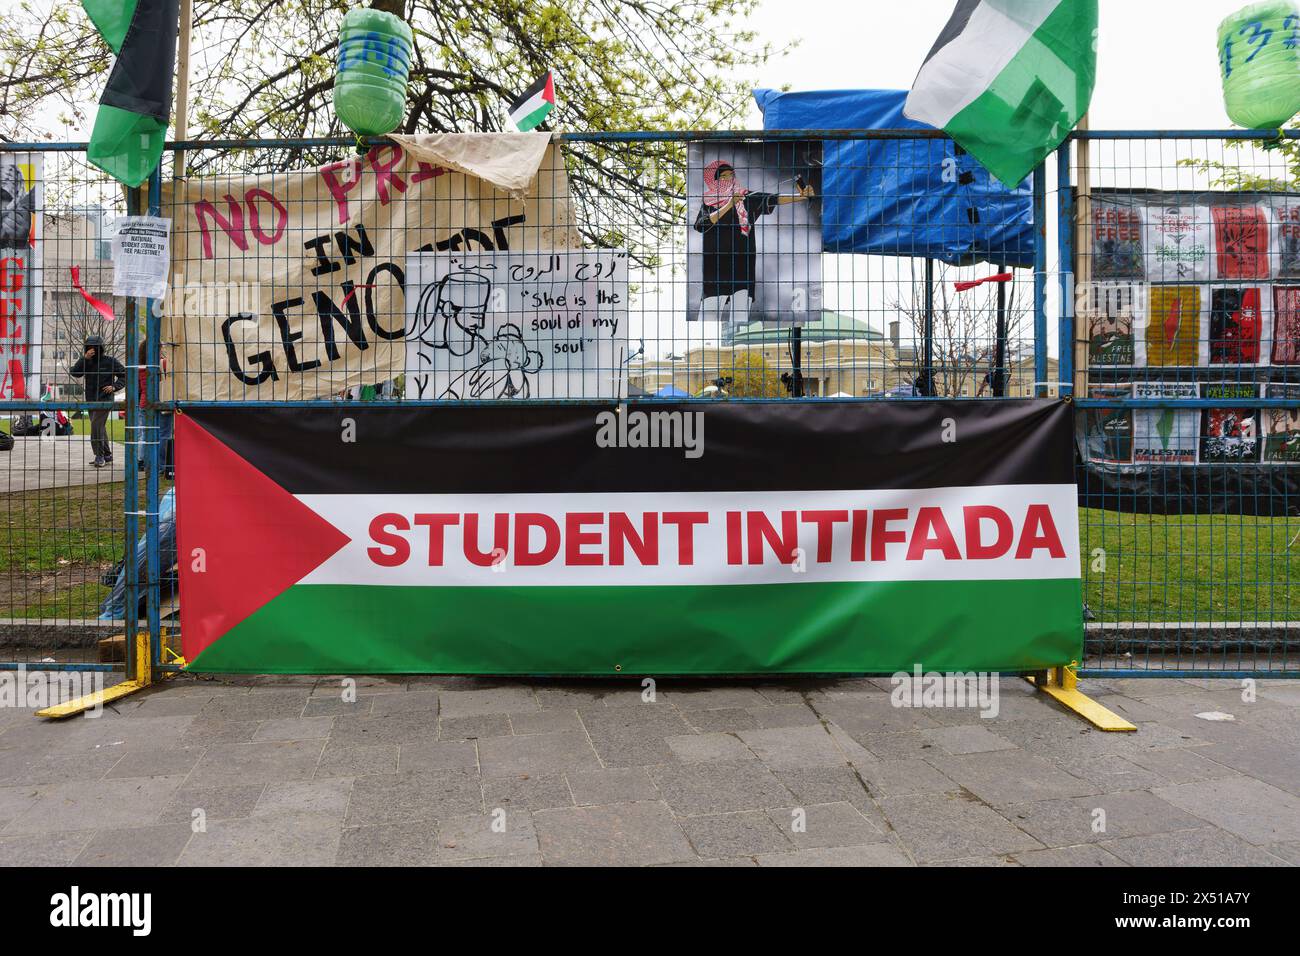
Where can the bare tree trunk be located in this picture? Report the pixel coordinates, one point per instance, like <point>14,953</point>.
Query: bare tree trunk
<point>396,7</point>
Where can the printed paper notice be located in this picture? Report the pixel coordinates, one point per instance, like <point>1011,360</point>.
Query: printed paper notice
<point>141,256</point>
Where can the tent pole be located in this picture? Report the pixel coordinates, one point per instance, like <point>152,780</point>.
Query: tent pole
<point>927,369</point>
<point>796,359</point>
<point>1000,345</point>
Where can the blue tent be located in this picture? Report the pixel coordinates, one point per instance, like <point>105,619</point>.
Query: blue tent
<point>671,391</point>
<point>923,197</point>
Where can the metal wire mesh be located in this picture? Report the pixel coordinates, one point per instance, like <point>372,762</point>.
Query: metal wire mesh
<point>68,472</point>
<point>853,274</point>
<point>1186,351</point>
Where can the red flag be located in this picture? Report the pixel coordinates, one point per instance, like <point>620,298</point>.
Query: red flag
<point>99,305</point>
<point>1000,277</point>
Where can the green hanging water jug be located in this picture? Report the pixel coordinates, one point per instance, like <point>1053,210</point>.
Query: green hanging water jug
<point>373,65</point>
<point>1259,60</point>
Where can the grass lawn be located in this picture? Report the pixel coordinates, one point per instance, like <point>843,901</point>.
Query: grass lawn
<point>116,427</point>
<point>1189,567</point>
<point>55,544</point>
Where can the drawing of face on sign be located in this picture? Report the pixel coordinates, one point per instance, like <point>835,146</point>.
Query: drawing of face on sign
<point>17,203</point>
<point>452,313</point>
<point>503,369</point>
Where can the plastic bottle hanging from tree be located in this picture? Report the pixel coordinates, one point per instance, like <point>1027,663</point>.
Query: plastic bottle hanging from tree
<point>373,65</point>
<point>1259,60</point>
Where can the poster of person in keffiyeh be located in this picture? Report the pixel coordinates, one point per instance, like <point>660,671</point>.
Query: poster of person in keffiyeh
<point>1236,326</point>
<point>1240,242</point>
<point>1173,330</point>
<point>755,239</point>
<point>1165,435</point>
<point>1286,251</point>
<point>1229,434</point>
<point>1116,240</point>
<point>1282,426</point>
<point>1286,325</point>
<point>1107,310</point>
<point>1178,243</point>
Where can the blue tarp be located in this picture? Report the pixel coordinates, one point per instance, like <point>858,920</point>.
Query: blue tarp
<point>114,606</point>
<point>924,198</point>
<point>671,391</point>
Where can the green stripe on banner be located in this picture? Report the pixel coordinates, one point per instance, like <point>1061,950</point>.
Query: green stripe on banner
<point>813,628</point>
<point>1021,118</point>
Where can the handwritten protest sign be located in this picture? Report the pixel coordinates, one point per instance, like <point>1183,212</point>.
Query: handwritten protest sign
<point>503,325</point>
<point>290,285</point>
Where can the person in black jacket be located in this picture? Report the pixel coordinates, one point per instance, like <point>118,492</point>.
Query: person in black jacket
<point>727,220</point>
<point>104,376</point>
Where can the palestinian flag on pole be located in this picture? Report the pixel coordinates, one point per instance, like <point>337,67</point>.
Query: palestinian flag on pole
<point>534,104</point>
<point>662,539</point>
<point>127,140</point>
<point>1009,79</point>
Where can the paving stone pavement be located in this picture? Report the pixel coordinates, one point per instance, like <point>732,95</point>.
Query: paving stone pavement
<point>465,771</point>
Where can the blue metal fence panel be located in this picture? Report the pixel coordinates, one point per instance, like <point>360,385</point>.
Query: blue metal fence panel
<point>1189,585</point>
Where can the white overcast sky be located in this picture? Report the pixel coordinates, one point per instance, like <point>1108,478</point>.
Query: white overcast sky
<point>1157,65</point>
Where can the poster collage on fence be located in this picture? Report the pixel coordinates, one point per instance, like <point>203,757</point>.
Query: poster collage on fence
<point>1183,285</point>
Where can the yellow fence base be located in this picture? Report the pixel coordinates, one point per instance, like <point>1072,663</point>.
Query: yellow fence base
<point>1062,685</point>
<point>143,678</point>
<point>91,701</point>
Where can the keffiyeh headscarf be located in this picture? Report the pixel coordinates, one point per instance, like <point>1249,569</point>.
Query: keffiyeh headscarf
<point>718,192</point>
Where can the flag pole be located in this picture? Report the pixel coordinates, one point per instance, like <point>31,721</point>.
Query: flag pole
<point>182,87</point>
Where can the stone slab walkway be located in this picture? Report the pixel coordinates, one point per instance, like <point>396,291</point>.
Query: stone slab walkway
<point>464,771</point>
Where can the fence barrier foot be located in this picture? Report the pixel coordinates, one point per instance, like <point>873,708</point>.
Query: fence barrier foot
<point>91,701</point>
<point>1061,684</point>
<point>142,679</point>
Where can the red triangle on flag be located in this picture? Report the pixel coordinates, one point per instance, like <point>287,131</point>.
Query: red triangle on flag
<point>242,540</point>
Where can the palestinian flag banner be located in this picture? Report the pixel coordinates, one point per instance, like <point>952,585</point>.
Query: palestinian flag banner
<point>1009,79</point>
<point>655,538</point>
<point>534,104</point>
<point>127,139</point>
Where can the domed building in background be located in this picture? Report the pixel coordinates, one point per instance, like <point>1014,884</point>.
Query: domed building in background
<point>842,357</point>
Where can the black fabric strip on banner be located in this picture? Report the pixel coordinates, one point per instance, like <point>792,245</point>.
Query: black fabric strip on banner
<point>141,81</point>
<point>742,446</point>
<point>1249,489</point>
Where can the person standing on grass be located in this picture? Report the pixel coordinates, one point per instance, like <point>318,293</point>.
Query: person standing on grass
<point>104,377</point>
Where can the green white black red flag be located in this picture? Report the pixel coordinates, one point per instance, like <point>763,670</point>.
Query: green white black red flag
<point>534,104</point>
<point>1009,79</point>
<point>659,538</point>
<point>127,139</point>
